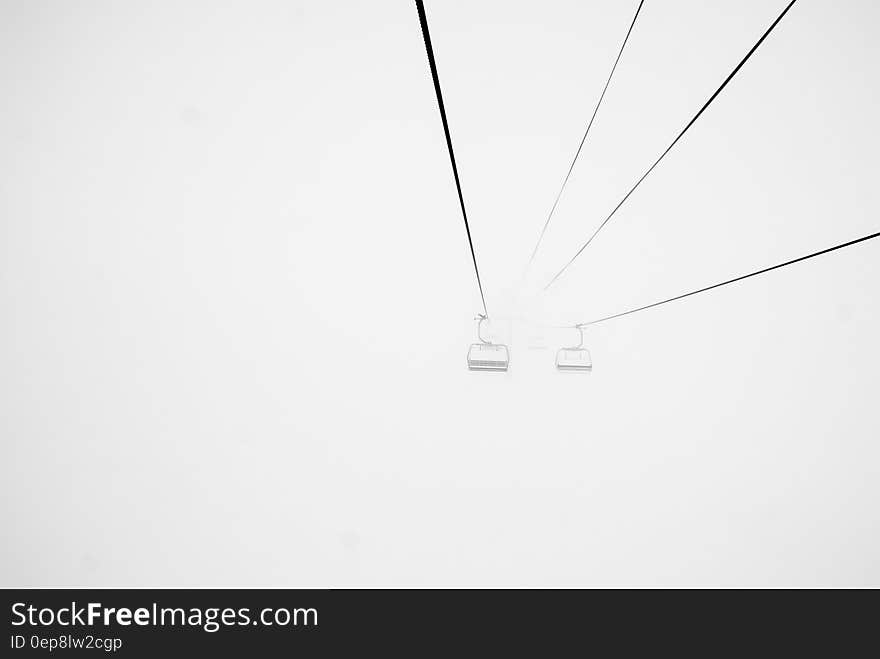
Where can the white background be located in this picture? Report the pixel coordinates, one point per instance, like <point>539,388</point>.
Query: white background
<point>236,295</point>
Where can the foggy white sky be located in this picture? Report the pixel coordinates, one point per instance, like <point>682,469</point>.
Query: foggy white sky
<point>236,296</point>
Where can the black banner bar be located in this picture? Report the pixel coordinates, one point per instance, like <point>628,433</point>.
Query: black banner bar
<point>413,623</point>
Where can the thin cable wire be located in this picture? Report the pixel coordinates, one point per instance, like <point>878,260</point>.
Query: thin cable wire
<point>674,142</point>
<point>730,281</point>
<point>423,19</point>
<point>584,138</point>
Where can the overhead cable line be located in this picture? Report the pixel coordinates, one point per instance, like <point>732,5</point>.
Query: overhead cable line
<point>584,138</point>
<point>674,142</point>
<point>730,281</point>
<point>430,50</point>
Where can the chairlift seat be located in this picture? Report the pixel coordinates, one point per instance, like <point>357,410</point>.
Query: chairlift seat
<point>488,357</point>
<point>574,359</point>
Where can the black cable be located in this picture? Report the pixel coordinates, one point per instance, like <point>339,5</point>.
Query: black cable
<point>427,36</point>
<point>674,142</point>
<point>732,281</point>
<point>584,138</point>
